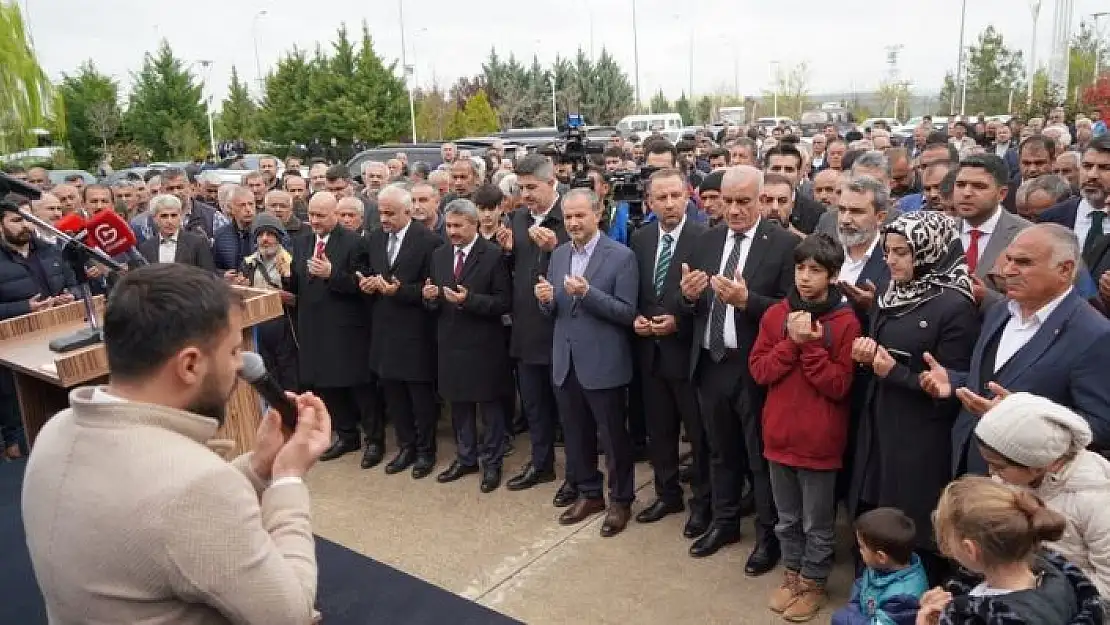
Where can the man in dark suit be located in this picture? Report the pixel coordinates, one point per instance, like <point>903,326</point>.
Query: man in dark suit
<point>785,160</point>
<point>403,347</point>
<point>470,289</point>
<point>172,244</point>
<point>752,266</point>
<point>534,232</point>
<point>1043,340</point>
<point>1035,157</point>
<point>591,296</point>
<point>1086,214</point>
<point>331,319</point>
<point>661,248</point>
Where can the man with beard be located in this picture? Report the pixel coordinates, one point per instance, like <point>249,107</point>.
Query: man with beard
<point>1036,155</point>
<point>1067,164</point>
<point>861,211</point>
<point>710,194</point>
<point>1086,215</point>
<point>281,205</point>
<point>931,184</point>
<point>48,209</point>
<point>183,534</point>
<point>824,188</point>
<point>785,160</point>
<point>296,186</point>
<point>232,242</point>
<point>267,269</point>
<point>776,203</point>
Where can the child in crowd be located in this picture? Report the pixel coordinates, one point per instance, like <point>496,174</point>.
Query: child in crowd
<point>803,355</point>
<point>994,531</point>
<point>1035,443</point>
<point>893,581</point>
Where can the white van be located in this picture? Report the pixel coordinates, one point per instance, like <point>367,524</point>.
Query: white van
<point>647,123</point>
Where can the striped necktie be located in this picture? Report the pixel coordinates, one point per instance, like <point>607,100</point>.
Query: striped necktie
<point>663,264</point>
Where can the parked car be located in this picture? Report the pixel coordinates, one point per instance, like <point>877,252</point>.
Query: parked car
<point>232,169</point>
<point>58,176</point>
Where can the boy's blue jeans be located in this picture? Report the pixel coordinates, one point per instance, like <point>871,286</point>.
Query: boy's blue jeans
<point>806,503</point>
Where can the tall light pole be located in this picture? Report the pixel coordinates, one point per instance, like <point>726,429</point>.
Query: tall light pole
<point>406,70</point>
<point>554,107</point>
<point>208,102</point>
<point>636,54</point>
<point>1098,42</point>
<point>960,57</point>
<point>775,78</point>
<point>1035,11</point>
<point>257,59</point>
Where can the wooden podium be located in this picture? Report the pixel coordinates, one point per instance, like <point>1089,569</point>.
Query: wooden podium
<point>43,378</point>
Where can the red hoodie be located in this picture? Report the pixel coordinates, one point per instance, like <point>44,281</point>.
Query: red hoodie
<point>805,416</point>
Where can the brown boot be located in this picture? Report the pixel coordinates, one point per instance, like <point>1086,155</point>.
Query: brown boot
<point>811,598</point>
<point>785,595</point>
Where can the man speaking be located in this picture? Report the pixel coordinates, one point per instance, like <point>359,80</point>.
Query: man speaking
<point>131,515</point>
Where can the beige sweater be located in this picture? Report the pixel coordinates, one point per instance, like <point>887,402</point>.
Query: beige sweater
<point>132,518</point>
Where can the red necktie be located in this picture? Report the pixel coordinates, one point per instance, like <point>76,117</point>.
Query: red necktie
<point>319,248</point>
<point>459,258</point>
<point>973,250</point>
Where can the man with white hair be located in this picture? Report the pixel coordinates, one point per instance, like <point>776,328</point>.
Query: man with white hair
<point>171,244</point>
<point>48,209</point>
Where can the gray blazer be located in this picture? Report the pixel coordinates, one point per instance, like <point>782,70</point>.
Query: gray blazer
<point>593,331</point>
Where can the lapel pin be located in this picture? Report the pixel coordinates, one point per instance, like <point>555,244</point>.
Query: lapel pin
<point>923,324</point>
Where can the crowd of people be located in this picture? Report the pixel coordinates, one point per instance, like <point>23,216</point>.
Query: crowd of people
<point>825,321</point>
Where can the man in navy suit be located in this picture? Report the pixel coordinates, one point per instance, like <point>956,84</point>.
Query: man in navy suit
<point>1045,339</point>
<point>1086,214</point>
<point>591,293</point>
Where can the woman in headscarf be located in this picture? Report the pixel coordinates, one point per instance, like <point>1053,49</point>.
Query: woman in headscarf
<point>903,447</point>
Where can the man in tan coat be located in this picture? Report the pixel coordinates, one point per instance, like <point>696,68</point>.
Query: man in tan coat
<point>130,513</point>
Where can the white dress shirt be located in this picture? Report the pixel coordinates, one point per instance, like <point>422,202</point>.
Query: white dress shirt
<point>400,241</point>
<point>730,310</point>
<point>987,228</point>
<point>674,240</point>
<point>465,251</point>
<point>538,219</point>
<point>1018,332</point>
<point>851,269</point>
<point>167,247</point>
<point>1083,221</point>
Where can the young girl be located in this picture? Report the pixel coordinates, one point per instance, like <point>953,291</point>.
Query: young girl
<point>995,532</point>
<point>1035,443</point>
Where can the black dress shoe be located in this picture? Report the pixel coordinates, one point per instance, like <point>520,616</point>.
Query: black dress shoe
<point>712,541</point>
<point>565,496</point>
<point>657,510</point>
<point>401,461</point>
<point>341,446</point>
<point>373,455</point>
<point>697,524</point>
<point>453,472</point>
<point>529,477</point>
<point>763,559</point>
<point>491,479</point>
<point>424,465</point>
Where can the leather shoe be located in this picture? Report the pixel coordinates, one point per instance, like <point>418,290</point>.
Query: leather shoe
<point>763,559</point>
<point>453,472</point>
<point>373,455</point>
<point>616,519</point>
<point>657,510</point>
<point>529,477</point>
<point>403,460</point>
<point>697,524</point>
<point>491,479</point>
<point>423,466</point>
<point>712,541</point>
<point>341,446</point>
<point>566,495</point>
<point>581,510</point>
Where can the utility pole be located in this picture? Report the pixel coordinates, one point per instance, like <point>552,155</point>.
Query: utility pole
<point>960,58</point>
<point>406,70</point>
<point>1035,11</point>
<point>636,54</point>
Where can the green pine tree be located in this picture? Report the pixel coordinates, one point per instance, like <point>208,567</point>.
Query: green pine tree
<point>660,103</point>
<point>165,96</point>
<point>480,116</point>
<point>682,107</point>
<point>91,103</point>
<point>286,103</point>
<point>237,119</point>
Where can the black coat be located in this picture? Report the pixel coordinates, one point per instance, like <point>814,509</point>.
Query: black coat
<point>904,441</point>
<point>532,330</point>
<point>17,283</point>
<point>403,347</point>
<point>668,356</point>
<point>474,363</point>
<point>332,325</point>
<point>192,249</point>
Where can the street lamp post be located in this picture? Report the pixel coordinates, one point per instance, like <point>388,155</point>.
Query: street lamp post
<point>1035,11</point>
<point>554,107</point>
<point>775,78</point>
<point>636,54</point>
<point>257,59</point>
<point>960,57</point>
<point>406,69</point>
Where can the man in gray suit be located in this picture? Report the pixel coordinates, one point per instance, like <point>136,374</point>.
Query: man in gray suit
<point>985,228</point>
<point>591,292</point>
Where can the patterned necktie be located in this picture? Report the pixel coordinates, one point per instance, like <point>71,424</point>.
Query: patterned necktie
<point>1093,235</point>
<point>973,250</point>
<point>719,308</point>
<point>391,249</point>
<point>319,248</point>
<point>460,258</point>
<point>663,264</point>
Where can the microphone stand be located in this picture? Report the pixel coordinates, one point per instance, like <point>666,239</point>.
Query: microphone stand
<point>78,255</point>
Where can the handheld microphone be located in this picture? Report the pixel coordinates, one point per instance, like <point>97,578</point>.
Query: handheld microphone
<point>254,373</point>
<point>111,233</point>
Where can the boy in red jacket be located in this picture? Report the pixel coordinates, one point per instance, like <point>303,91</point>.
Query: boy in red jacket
<point>803,355</point>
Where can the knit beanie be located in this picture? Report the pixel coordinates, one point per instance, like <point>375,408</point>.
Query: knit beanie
<point>1032,431</point>
<point>266,221</point>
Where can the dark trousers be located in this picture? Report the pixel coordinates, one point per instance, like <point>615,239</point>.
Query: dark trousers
<point>347,406</point>
<point>538,400</point>
<point>735,435</point>
<point>670,404</point>
<point>464,420</point>
<point>637,414</point>
<point>412,410</point>
<point>587,416</point>
<point>278,349</point>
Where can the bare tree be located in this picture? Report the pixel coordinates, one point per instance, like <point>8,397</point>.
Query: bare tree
<point>103,120</point>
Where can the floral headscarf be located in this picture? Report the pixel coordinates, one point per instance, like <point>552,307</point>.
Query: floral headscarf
<point>938,264</point>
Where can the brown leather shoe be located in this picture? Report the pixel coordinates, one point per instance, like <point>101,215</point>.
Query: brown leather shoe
<point>581,510</point>
<point>616,519</point>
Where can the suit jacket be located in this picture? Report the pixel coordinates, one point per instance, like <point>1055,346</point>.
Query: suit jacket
<point>332,327</point>
<point>474,363</point>
<point>664,356</point>
<point>769,272</point>
<point>1063,213</point>
<point>807,213</point>
<point>532,331</point>
<point>1008,227</point>
<point>1065,361</point>
<point>591,332</point>
<point>192,249</point>
<point>403,347</point>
